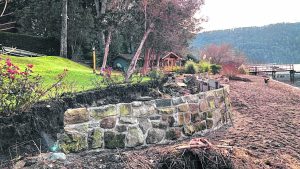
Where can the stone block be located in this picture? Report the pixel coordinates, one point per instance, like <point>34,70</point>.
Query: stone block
<point>187,118</point>
<point>204,105</point>
<point>73,142</point>
<point>201,95</point>
<point>188,130</point>
<point>199,126</point>
<point>96,138</point>
<point>196,117</point>
<point>108,123</point>
<point>75,116</point>
<point>194,107</point>
<point>134,137</point>
<point>209,123</point>
<point>169,119</point>
<point>183,108</point>
<point>125,109</point>
<point>163,102</point>
<point>144,124</point>
<point>192,99</point>
<point>155,136</point>
<point>180,119</point>
<point>113,140</point>
<point>156,117</point>
<point>81,128</point>
<point>121,128</point>
<point>143,111</point>
<point>137,104</point>
<point>128,120</point>
<point>169,110</point>
<point>173,134</point>
<point>98,113</point>
<point>178,100</point>
<point>160,124</point>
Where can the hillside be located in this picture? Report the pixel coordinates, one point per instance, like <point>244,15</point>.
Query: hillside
<point>278,43</point>
<point>50,66</point>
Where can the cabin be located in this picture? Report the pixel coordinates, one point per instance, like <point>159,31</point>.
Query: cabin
<point>122,61</point>
<point>171,60</point>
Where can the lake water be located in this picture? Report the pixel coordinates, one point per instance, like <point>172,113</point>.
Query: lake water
<point>285,76</point>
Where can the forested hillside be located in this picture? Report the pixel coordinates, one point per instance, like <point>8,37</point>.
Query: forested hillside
<point>278,43</point>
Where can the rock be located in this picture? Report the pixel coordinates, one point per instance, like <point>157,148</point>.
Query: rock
<point>74,116</point>
<point>169,119</point>
<point>161,124</point>
<point>170,110</point>
<point>196,117</point>
<point>183,108</point>
<point>155,136</point>
<point>173,134</point>
<point>96,138</point>
<point>142,111</point>
<point>180,119</point>
<point>178,100</point>
<point>155,117</point>
<point>58,156</point>
<point>121,128</point>
<point>187,118</point>
<point>188,130</point>
<point>136,104</point>
<point>203,105</point>
<point>99,113</point>
<point>192,99</point>
<point>194,107</point>
<point>125,109</point>
<point>145,125</point>
<point>108,123</point>
<point>128,120</point>
<point>134,137</point>
<point>163,102</point>
<point>209,123</point>
<point>73,142</point>
<point>113,140</point>
<point>82,128</point>
<point>199,126</point>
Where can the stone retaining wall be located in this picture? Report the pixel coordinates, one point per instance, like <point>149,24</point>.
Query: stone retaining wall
<point>128,125</point>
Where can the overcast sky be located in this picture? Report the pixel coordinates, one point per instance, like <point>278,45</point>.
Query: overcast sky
<point>227,14</point>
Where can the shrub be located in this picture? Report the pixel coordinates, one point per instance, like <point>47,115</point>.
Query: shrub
<point>19,90</point>
<point>204,66</point>
<point>155,75</point>
<point>242,69</point>
<point>191,67</point>
<point>215,69</point>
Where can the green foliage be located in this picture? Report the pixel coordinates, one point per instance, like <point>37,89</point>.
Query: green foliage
<point>278,43</point>
<point>47,46</point>
<point>190,67</point>
<point>155,74</point>
<point>204,66</point>
<point>215,69</point>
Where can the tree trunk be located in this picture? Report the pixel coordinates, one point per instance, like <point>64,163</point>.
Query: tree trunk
<point>106,51</point>
<point>103,6</point>
<point>157,61</point>
<point>134,60</point>
<point>97,4</point>
<point>146,62</point>
<point>64,30</point>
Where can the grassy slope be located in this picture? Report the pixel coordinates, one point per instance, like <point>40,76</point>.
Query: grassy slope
<point>50,66</point>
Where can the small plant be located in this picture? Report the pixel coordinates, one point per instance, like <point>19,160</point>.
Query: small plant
<point>191,67</point>
<point>243,70</point>
<point>204,66</point>
<point>155,75</point>
<point>215,69</point>
<point>19,90</point>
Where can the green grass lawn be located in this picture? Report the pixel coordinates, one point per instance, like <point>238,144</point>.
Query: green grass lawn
<point>50,66</point>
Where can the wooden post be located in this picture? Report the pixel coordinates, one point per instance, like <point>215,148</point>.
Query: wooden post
<point>94,60</point>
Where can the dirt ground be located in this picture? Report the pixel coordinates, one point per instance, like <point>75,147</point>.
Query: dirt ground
<point>265,134</point>
<point>266,124</point>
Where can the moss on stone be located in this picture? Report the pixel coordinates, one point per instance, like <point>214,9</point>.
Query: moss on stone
<point>125,109</point>
<point>113,140</point>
